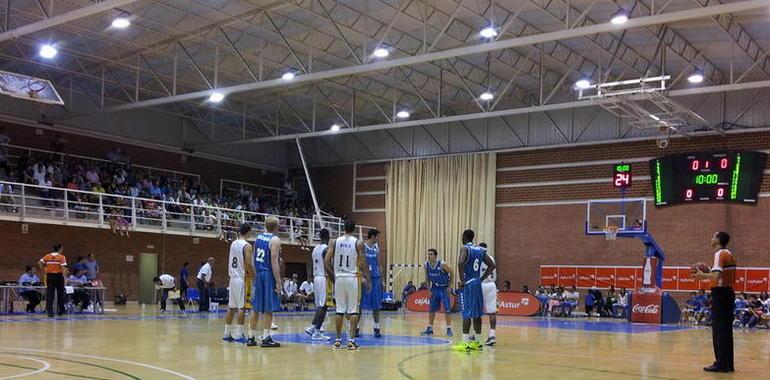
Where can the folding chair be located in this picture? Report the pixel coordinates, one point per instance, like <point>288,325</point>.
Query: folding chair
<point>193,297</point>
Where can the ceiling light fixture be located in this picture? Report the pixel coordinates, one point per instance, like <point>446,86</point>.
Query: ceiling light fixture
<point>335,128</point>
<point>619,18</point>
<point>216,97</point>
<point>486,96</point>
<point>381,52</point>
<point>488,32</point>
<point>403,114</point>
<point>121,23</point>
<point>289,75</point>
<point>48,51</point>
<point>695,78</point>
<point>583,84</point>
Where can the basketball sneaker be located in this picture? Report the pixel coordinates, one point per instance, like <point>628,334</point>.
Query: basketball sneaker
<point>428,331</point>
<point>227,339</point>
<point>462,346</point>
<point>337,344</point>
<point>449,331</point>
<point>490,341</point>
<point>474,345</point>
<point>377,333</point>
<point>319,336</point>
<point>268,342</point>
<point>310,331</point>
<point>273,326</point>
<point>241,340</point>
<point>352,345</point>
<point>251,342</point>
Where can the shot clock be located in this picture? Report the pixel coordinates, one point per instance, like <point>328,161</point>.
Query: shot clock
<point>707,177</point>
<point>621,176</point>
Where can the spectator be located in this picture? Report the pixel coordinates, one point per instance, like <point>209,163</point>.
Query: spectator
<point>32,296</point>
<point>55,264</point>
<point>423,286</point>
<point>166,283</point>
<point>118,224</point>
<point>203,282</point>
<point>80,297</point>
<point>80,264</point>
<point>555,297</point>
<point>307,289</point>
<point>57,146</point>
<point>609,300</point>
<point>289,291</point>
<point>542,295</point>
<point>597,300</point>
<point>741,306</point>
<point>571,298</point>
<point>754,312</point>
<point>92,268</point>
<point>184,274</point>
<point>408,289</point>
<point>619,307</point>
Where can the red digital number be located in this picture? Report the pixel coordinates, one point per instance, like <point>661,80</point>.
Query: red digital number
<point>688,194</point>
<point>622,180</point>
<point>695,165</point>
<point>720,192</point>
<point>707,162</point>
<point>723,163</point>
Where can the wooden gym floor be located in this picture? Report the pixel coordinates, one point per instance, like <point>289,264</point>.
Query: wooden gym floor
<point>129,344</point>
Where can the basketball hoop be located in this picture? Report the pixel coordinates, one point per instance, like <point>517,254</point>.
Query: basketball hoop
<point>611,233</point>
<point>34,87</point>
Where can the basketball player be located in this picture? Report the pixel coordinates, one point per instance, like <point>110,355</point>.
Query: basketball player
<point>471,257</point>
<point>241,252</point>
<point>721,277</point>
<point>345,263</point>
<point>372,298</point>
<point>320,287</point>
<point>439,275</point>
<point>489,290</point>
<point>267,283</point>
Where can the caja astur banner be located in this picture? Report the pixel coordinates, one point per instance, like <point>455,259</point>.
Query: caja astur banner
<point>675,279</point>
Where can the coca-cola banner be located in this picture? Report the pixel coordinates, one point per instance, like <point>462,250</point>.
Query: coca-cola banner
<point>420,301</point>
<point>517,303</point>
<point>645,307</point>
<point>753,280</point>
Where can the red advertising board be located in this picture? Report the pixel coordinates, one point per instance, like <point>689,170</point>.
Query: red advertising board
<point>420,301</point>
<point>752,280</point>
<point>645,307</point>
<point>517,303</point>
<point>757,280</point>
<point>586,277</point>
<point>567,276</point>
<point>605,277</point>
<point>549,276</point>
<point>625,278</point>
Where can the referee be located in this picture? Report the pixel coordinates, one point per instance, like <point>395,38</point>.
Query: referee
<point>55,266</point>
<point>721,277</point>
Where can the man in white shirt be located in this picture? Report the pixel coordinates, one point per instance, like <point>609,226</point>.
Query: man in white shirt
<point>203,282</point>
<point>166,283</point>
<point>306,292</point>
<point>571,297</point>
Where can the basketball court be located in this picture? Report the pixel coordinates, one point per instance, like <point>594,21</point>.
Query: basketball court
<point>611,156</point>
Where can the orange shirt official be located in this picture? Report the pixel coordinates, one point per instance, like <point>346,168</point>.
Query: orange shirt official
<point>54,262</point>
<point>724,262</point>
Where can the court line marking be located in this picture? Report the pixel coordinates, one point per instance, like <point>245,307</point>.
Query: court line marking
<point>45,364</point>
<point>55,372</point>
<point>401,363</point>
<point>124,361</point>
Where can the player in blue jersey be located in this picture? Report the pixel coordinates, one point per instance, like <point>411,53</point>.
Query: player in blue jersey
<point>267,283</point>
<point>371,299</point>
<point>472,298</point>
<point>439,275</point>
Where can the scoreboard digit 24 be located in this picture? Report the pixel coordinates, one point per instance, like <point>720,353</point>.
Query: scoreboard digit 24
<point>707,177</point>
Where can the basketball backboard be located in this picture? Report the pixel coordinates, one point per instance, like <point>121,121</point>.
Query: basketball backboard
<point>628,215</point>
<point>29,88</point>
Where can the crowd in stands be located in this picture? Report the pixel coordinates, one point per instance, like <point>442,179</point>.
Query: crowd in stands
<point>751,310</point>
<point>560,302</point>
<point>116,176</point>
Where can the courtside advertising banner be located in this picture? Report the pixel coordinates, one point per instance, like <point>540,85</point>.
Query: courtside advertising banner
<point>420,301</point>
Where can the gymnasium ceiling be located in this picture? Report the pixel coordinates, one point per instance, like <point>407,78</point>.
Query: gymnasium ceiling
<point>159,72</point>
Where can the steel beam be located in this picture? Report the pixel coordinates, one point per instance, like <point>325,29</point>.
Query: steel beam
<point>640,22</point>
<point>64,18</point>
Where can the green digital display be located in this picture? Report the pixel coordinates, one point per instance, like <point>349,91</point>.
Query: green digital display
<point>707,177</point>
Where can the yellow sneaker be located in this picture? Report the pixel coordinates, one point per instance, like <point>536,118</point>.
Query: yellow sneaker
<point>462,346</point>
<point>474,345</point>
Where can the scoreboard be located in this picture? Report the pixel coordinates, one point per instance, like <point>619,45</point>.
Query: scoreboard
<point>707,177</point>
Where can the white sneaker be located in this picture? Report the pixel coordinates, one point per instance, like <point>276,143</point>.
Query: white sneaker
<point>318,336</point>
<point>273,326</point>
<point>310,331</point>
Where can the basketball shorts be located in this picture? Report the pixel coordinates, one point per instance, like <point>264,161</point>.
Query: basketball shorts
<point>347,294</point>
<point>236,293</point>
<point>472,299</point>
<point>323,291</point>
<point>489,290</point>
<point>264,299</point>
<point>439,296</point>
<point>372,299</point>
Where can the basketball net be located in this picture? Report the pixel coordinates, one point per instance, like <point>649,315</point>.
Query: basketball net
<point>611,233</point>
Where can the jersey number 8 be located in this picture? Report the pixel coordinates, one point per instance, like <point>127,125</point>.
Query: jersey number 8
<point>260,255</point>
<point>235,262</point>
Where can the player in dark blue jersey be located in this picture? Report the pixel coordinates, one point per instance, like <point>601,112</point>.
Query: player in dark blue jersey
<point>267,283</point>
<point>439,275</point>
<point>371,299</point>
<point>472,298</point>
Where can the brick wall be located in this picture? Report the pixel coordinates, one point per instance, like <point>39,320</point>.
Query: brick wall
<point>118,275</point>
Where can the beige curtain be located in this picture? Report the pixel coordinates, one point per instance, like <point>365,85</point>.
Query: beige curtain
<point>430,202</point>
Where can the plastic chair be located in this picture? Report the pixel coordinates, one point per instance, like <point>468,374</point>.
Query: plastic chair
<point>192,296</point>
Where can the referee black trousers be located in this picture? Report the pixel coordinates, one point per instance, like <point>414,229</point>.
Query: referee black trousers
<point>203,294</point>
<point>54,285</point>
<point>722,313</point>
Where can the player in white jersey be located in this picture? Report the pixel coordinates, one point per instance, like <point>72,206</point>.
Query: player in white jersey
<point>240,254</point>
<point>489,290</point>
<point>345,262</point>
<point>319,287</point>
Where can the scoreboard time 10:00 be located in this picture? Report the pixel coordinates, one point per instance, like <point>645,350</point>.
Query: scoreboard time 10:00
<point>707,177</point>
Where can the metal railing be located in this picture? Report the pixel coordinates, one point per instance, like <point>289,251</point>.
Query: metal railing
<point>53,205</point>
